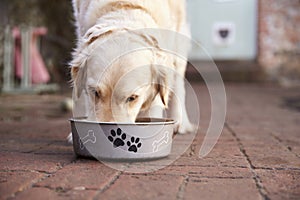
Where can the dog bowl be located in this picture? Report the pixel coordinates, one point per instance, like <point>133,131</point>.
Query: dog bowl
<point>148,138</point>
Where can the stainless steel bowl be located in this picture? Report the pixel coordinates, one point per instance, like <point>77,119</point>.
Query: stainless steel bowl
<point>148,138</point>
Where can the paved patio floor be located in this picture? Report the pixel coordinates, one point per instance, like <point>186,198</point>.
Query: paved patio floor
<point>256,157</point>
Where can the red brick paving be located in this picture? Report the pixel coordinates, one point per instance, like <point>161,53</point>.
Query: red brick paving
<point>256,157</point>
<point>146,186</point>
<point>82,174</point>
<point>17,181</point>
<point>230,188</point>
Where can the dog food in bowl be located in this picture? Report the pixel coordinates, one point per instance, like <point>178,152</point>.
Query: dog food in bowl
<point>148,138</point>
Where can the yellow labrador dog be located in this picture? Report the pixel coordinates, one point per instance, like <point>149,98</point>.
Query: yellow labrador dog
<point>124,90</point>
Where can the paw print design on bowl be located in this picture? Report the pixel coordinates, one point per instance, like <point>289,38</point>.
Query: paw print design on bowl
<point>134,144</point>
<point>144,139</point>
<point>117,138</point>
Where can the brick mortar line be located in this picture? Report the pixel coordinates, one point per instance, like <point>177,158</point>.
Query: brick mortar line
<point>64,189</point>
<point>47,175</point>
<point>39,148</point>
<point>286,146</point>
<point>181,189</point>
<point>33,152</point>
<point>257,180</point>
<point>226,166</point>
<point>109,184</point>
<point>219,177</point>
<point>29,186</point>
<point>25,170</point>
<point>278,168</point>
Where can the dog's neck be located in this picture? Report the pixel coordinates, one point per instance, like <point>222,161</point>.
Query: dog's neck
<point>121,15</point>
<point>122,6</point>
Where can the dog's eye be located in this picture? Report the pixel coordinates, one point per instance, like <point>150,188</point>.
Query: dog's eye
<point>131,98</point>
<point>97,94</point>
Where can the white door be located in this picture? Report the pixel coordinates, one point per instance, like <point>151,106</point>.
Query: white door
<point>226,29</point>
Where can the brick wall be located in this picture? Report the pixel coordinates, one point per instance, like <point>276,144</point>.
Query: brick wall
<point>279,39</point>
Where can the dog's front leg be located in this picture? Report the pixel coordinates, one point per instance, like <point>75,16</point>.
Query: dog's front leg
<point>178,107</point>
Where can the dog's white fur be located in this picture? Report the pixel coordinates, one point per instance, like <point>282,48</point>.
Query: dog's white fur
<point>124,90</point>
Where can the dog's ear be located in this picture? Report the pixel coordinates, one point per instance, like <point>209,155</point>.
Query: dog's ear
<point>164,77</point>
<point>79,75</point>
<point>95,32</point>
<point>81,55</point>
<point>78,71</point>
<point>163,87</point>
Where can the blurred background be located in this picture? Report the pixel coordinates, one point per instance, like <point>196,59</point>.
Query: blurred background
<point>256,46</point>
<point>250,41</point>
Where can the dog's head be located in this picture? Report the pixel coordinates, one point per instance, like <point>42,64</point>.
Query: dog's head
<point>120,90</point>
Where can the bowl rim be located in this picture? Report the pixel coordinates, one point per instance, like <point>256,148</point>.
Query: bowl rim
<point>140,121</point>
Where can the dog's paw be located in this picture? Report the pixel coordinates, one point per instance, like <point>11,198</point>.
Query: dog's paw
<point>70,139</point>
